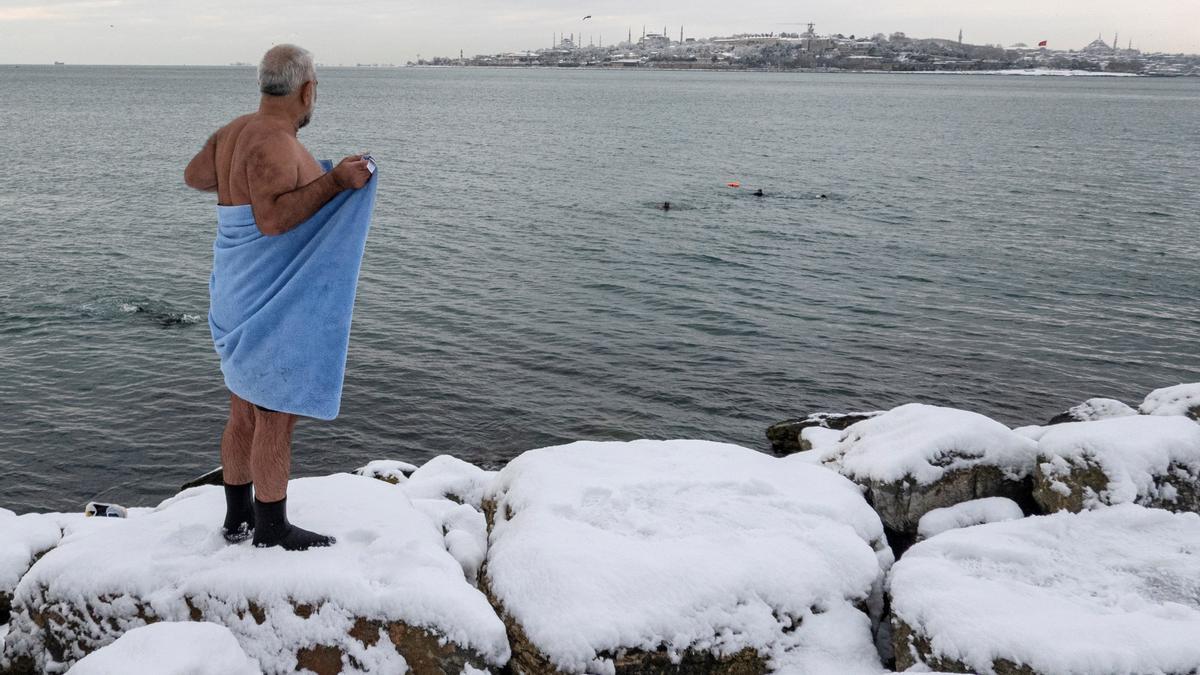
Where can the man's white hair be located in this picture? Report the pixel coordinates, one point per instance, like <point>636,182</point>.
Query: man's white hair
<point>283,69</point>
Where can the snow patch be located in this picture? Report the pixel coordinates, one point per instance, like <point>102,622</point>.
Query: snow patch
<point>1099,409</point>
<point>464,532</point>
<point>1182,399</point>
<point>449,477</point>
<point>820,439</point>
<point>968,514</point>
<point>171,648</point>
<point>24,537</point>
<point>1032,432</point>
<point>388,470</point>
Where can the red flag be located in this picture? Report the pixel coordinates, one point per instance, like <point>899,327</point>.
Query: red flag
<point>1042,43</point>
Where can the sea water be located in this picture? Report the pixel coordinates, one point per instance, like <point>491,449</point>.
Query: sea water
<point>1006,245</point>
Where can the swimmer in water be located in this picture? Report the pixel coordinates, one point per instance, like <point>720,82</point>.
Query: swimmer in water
<point>759,193</point>
<point>666,206</point>
<point>823,197</point>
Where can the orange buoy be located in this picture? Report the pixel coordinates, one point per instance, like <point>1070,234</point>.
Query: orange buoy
<point>734,184</point>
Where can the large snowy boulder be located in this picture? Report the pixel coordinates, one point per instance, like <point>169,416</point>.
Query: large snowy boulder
<point>682,557</point>
<point>916,458</point>
<point>789,436</point>
<point>171,648</point>
<point>1105,592</point>
<point>1181,399</point>
<point>388,594</point>
<point>1148,460</point>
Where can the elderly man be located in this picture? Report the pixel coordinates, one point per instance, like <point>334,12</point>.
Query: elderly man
<point>256,164</point>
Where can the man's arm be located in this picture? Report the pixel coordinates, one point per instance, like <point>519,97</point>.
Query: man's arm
<point>277,204</point>
<point>201,172</point>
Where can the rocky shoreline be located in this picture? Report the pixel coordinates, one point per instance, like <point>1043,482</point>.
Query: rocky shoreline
<point>917,539</point>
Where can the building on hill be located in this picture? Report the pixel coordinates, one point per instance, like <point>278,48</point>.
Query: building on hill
<point>1097,46</point>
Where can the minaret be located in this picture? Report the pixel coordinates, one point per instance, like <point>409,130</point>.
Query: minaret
<point>631,35</point>
<point>960,36</point>
<point>681,35</point>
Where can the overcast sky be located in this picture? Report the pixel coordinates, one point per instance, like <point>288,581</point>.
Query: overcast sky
<point>378,31</point>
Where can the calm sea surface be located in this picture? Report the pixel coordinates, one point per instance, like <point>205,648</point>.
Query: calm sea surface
<point>1005,244</point>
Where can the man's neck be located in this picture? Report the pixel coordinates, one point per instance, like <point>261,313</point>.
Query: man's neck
<point>281,110</point>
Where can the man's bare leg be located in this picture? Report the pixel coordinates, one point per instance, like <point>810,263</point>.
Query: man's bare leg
<point>236,444</point>
<point>271,461</point>
<point>237,441</point>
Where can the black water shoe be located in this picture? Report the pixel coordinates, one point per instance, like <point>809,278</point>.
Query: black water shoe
<point>273,529</point>
<point>239,513</point>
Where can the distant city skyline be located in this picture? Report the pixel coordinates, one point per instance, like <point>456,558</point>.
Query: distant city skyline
<point>376,31</point>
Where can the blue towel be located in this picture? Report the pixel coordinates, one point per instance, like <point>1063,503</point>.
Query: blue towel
<point>281,306</point>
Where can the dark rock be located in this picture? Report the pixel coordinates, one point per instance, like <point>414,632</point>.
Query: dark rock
<point>1084,480</point>
<point>214,477</point>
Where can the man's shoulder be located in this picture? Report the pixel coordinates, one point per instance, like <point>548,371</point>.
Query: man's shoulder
<point>251,130</point>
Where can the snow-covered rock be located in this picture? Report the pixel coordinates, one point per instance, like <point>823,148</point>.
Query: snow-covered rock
<point>916,458</point>
<point>1105,592</point>
<point>1094,409</point>
<point>630,557</point>
<point>170,648</point>
<point>22,540</point>
<point>968,514</point>
<point>1148,460</point>
<point>788,437</point>
<point>386,595</point>
<point>1181,399</point>
<point>447,477</point>
<point>387,470</point>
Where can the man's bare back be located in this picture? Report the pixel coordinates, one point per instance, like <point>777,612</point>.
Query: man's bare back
<point>256,159</point>
<point>240,151</point>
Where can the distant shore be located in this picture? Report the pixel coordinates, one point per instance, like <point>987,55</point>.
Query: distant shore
<point>1042,72</point>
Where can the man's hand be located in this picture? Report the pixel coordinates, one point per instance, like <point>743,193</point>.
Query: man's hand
<point>279,206</point>
<point>351,173</point>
